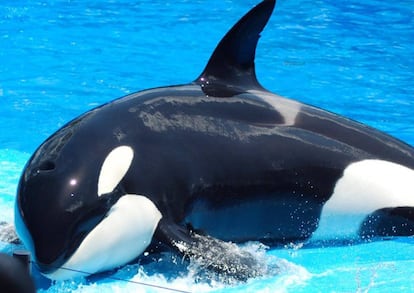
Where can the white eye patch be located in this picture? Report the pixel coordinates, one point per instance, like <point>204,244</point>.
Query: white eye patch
<point>114,168</point>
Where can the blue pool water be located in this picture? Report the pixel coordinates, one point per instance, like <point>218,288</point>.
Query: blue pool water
<point>61,58</point>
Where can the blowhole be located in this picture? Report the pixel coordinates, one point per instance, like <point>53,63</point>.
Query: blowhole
<point>47,166</point>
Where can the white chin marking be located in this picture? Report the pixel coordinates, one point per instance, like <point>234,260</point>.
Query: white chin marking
<point>114,168</point>
<point>118,239</point>
<point>365,187</point>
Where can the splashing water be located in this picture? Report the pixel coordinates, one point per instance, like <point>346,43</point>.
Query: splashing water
<point>61,58</point>
<point>167,274</point>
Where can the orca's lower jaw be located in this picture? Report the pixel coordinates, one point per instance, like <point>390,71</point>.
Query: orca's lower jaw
<point>44,261</point>
<point>119,238</point>
<point>46,269</point>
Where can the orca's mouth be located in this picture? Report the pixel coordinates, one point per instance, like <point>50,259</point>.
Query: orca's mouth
<point>48,267</point>
<point>52,254</point>
<point>101,249</point>
<point>55,236</point>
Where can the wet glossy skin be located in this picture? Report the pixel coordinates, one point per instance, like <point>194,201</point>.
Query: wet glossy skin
<point>255,157</point>
<point>220,155</point>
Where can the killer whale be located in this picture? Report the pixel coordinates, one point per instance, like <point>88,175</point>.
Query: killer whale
<point>219,159</point>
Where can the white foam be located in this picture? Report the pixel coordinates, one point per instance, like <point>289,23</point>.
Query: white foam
<point>282,276</point>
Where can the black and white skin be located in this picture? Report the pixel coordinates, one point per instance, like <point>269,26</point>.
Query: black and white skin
<point>193,167</point>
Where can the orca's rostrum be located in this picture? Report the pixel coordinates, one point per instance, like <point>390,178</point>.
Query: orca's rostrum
<point>194,166</point>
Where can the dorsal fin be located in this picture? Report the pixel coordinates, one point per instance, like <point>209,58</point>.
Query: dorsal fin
<point>232,62</point>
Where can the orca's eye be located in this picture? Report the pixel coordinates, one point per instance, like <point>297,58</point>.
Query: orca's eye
<point>47,166</point>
